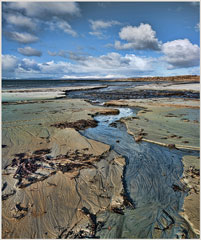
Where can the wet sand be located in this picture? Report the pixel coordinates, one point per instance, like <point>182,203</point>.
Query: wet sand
<point>13,95</point>
<point>191,178</point>
<point>48,171</point>
<point>194,87</point>
<point>168,121</point>
<point>56,182</point>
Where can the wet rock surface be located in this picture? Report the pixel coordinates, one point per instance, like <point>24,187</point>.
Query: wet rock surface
<point>134,94</point>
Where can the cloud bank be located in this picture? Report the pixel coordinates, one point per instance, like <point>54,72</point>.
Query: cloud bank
<point>111,64</point>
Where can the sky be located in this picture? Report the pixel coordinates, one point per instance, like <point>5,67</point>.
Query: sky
<point>73,40</point>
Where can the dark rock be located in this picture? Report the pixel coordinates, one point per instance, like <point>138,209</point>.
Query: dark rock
<point>176,188</point>
<point>173,136</point>
<point>128,201</point>
<point>117,210</point>
<point>138,138</point>
<point>114,124</point>
<point>171,146</point>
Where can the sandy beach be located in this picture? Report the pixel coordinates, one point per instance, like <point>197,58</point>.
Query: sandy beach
<point>58,183</point>
<point>48,190</point>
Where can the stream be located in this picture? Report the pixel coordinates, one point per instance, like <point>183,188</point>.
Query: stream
<point>150,173</point>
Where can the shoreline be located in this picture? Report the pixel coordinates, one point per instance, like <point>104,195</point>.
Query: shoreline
<point>57,89</point>
<point>14,95</point>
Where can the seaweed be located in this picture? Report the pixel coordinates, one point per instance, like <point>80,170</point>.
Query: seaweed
<point>42,151</point>
<point>78,125</point>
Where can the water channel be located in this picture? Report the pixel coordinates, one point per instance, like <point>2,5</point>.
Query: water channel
<point>150,173</point>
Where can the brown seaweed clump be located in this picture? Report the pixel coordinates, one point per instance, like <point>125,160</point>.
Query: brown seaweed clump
<point>78,125</point>
<point>38,166</point>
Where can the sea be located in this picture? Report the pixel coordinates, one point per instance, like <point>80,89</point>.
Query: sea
<point>27,84</point>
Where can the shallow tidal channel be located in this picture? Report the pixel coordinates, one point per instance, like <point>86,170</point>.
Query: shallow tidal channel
<point>151,177</point>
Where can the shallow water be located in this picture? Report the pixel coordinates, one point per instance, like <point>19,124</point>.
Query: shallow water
<point>150,173</point>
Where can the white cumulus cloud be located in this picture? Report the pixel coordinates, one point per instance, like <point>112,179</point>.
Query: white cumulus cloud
<point>60,53</point>
<point>181,53</point>
<point>21,37</point>
<point>64,26</point>
<point>9,63</point>
<point>20,21</point>
<point>98,25</point>
<point>29,51</point>
<point>139,38</point>
<point>32,16</point>
<point>45,10</point>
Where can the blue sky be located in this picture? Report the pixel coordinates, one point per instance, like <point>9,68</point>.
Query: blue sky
<point>99,39</point>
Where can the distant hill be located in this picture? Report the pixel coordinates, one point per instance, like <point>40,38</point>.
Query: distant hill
<point>182,78</point>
